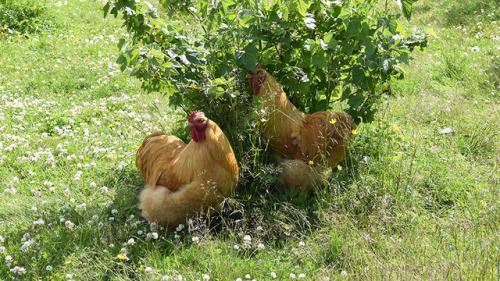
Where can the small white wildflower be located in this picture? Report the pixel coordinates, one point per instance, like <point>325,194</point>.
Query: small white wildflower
<point>8,259</point>
<point>180,227</point>
<point>34,209</point>
<point>247,238</point>
<point>293,276</point>
<point>140,232</point>
<point>104,189</point>
<point>261,246</point>
<point>236,247</point>
<point>165,278</point>
<point>239,279</point>
<point>114,211</point>
<point>247,276</point>
<point>273,274</point>
<point>93,184</point>
<point>195,239</point>
<point>302,275</point>
<point>148,269</point>
<point>48,268</point>
<point>206,277</point>
<point>69,224</point>
<point>2,250</point>
<point>131,242</point>
<point>475,49</point>
<point>343,273</point>
<point>155,235</point>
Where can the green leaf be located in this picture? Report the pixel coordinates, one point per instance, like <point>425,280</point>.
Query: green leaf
<point>227,3</point>
<point>405,6</point>
<point>300,6</point>
<point>105,9</point>
<point>248,57</point>
<point>121,43</point>
<point>328,39</point>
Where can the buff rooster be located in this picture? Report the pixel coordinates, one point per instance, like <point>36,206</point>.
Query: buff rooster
<point>305,146</point>
<point>183,179</point>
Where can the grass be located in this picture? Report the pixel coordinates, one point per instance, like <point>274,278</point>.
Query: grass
<point>417,197</point>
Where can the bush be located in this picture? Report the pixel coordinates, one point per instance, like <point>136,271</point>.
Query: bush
<point>322,52</point>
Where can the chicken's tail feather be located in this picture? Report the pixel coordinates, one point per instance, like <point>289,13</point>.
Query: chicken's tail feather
<point>167,208</point>
<point>301,176</point>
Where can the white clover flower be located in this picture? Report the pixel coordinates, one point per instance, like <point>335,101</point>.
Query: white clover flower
<point>155,235</point>
<point>104,189</point>
<point>343,273</point>
<point>195,239</point>
<point>165,278</point>
<point>273,274</point>
<point>69,224</point>
<point>48,268</point>
<point>261,246</point>
<point>39,222</point>
<point>2,239</point>
<point>475,49</point>
<point>114,211</point>
<point>301,243</point>
<point>93,184</point>
<point>302,275</point>
<point>8,259</point>
<point>2,250</point>
<point>180,227</point>
<point>140,232</point>
<point>82,206</point>
<point>206,277</point>
<point>248,276</point>
<point>247,238</point>
<point>293,276</point>
<point>236,247</point>
<point>131,242</point>
<point>148,269</point>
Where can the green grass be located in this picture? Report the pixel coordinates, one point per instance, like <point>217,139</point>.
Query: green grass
<point>417,197</point>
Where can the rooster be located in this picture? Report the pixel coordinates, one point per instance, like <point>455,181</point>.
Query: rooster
<point>183,179</point>
<point>305,146</point>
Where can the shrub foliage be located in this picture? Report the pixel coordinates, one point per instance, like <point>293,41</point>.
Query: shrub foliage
<point>321,51</point>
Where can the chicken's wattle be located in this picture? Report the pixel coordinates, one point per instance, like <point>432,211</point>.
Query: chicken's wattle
<point>197,133</point>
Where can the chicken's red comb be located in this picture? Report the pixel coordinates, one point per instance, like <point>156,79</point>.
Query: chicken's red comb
<point>193,115</point>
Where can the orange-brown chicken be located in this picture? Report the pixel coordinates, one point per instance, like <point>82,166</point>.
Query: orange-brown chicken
<point>183,179</point>
<point>305,146</point>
